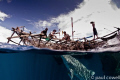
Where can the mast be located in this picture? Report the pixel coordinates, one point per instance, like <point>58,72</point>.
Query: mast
<point>72,27</point>
<point>59,33</point>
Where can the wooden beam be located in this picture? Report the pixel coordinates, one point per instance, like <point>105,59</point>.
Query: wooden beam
<point>110,33</point>
<point>10,37</point>
<point>26,36</point>
<point>14,42</point>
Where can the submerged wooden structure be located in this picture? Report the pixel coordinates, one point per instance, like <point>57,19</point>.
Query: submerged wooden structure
<point>39,41</point>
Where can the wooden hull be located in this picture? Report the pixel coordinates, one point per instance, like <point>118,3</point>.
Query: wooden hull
<point>56,44</point>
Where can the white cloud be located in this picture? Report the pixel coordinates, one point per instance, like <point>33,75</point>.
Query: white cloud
<point>104,13</point>
<point>9,1</point>
<point>3,16</point>
<point>4,33</point>
<point>26,30</point>
<point>44,23</point>
<point>27,20</point>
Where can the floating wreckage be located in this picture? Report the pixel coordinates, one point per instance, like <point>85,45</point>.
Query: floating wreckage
<point>37,40</point>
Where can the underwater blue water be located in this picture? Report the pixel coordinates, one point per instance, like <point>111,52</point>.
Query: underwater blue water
<point>30,63</point>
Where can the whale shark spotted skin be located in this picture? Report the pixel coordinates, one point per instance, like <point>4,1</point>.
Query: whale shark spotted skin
<point>76,68</point>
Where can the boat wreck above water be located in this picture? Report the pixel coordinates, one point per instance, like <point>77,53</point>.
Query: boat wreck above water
<point>37,40</point>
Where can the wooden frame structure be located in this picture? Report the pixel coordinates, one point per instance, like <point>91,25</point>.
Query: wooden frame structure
<point>37,41</point>
<point>25,38</point>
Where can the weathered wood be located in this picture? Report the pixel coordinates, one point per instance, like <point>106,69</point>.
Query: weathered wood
<point>32,35</point>
<point>110,33</point>
<point>10,37</point>
<point>14,42</point>
<point>19,36</point>
<point>20,42</point>
<point>33,40</point>
<point>39,40</point>
<point>110,37</point>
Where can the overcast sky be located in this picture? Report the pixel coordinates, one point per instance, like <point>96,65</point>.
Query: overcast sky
<point>36,15</point>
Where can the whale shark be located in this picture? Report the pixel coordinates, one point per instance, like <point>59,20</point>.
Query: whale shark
<point>76,68</point>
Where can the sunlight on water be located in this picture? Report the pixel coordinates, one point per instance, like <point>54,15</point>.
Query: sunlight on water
<point>15,47</point>
<point>113,41</point>
<point>76,68</point>
<point>111,45</point>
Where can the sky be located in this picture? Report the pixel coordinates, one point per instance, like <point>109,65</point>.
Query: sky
<point>36,15</point>
<point>29,13</point>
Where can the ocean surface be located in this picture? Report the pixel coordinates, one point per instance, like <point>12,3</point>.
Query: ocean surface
<point>30,63</point>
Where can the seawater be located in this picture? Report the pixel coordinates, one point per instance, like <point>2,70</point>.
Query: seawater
<point>30,63</point>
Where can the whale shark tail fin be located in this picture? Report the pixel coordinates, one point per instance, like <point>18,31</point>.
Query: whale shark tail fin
<point>71,74</point>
